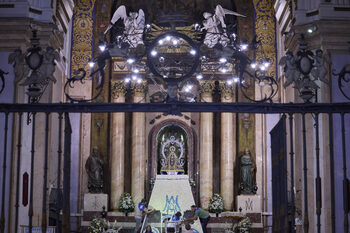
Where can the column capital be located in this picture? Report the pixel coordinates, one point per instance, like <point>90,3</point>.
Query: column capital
<point>226,91</point>
<point>207,87</point>
<point>139,89</point>
<point>118,89</point>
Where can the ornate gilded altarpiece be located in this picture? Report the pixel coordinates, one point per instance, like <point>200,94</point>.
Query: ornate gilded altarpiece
<point>91,17</point>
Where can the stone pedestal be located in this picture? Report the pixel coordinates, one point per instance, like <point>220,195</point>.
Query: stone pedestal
<point>95,201</point>
<point>249,203</point>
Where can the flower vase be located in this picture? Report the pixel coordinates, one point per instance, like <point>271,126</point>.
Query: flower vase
<point>126,214</point>
<point>217,215</point>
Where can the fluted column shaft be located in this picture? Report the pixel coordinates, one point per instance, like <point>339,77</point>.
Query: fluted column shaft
<point>206,148</point>
<point>138,150</point>
<point>118,145</point>
<point>227,158</point>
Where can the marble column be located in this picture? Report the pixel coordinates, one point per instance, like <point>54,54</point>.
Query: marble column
<point>138,150</point>
<point>118,145</point>
<point>228,150</point>
<point>206,147</point>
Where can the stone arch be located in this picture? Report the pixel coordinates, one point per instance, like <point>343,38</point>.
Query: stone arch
<point>152,152</point>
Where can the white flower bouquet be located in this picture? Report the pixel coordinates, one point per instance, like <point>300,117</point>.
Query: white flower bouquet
<point>242,226</point>
<point>101,225</point>
<point>192,183</point>
<point>216,204</point>
<point>126,204</point>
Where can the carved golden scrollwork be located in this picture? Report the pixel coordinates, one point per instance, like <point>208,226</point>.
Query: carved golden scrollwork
<point>226,90</point>
<point>139,89</point>
<point>207,87</point>
<point>118,89</point>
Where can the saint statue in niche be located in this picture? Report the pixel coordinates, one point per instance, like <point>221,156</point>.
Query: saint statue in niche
<point>248,170</point>
<point>172,160</point>
<point>94,169</point>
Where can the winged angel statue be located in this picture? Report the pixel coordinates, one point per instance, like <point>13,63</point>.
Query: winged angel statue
<point>290,68</point>
<point>319,70</point>
<point>20,66</point>
<point>215,25</point>
<point>134,25</point>
<point>22,70</point>
<point>292,72</point>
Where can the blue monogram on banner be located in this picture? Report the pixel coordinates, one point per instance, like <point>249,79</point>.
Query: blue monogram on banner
<point>171,205</point>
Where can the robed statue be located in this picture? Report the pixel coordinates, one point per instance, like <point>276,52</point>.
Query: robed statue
<point>248,170</point>
<point>94,169</point>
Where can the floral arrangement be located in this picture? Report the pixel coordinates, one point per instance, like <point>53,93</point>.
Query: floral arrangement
<point>242,226</point>
<point>216,204</point>
<point>151,182</point>
<point>126,204</point>
<point>100,225</point>
<point>192,183</point>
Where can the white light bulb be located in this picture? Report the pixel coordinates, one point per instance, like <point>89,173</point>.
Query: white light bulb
<point>134,77</point>
<point>91,64</point>
<point>136,71</point>
<point>199,76</point>
<point>236,80</point>
<point>229,82</point>
<point>168,38</point>
<point>130,60</point>
<point>102,47</point>
<point>148,26</point>
<point>224,70</point>
<point>223,60</point>
<point>153,53</point>
<point>193,52</point>
<point>262,68</point>
<point>139,80</point>
<point>244,47</point>
<point>310,30</point>
<point>253,65</point>
<point>127,80</point>
<point>175,42</point>
<point>160,42</point>
<point>266,64</point>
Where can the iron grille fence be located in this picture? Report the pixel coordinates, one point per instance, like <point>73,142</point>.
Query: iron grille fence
<point>293,116</point>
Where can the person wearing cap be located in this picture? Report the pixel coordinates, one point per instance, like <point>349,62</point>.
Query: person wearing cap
<point>141,210</point>
<point>203,216</point>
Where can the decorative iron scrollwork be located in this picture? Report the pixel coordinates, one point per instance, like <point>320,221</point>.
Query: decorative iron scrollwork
<point>343,78</point>
<point>2,77</point>
<point>80,74</point>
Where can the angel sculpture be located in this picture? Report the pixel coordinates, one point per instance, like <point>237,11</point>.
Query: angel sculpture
<point>319,70</point>
<point>211,24</point>
<point>133,25</point>
<point>20,66</point>
<point>47,68</point>
<point>290,68</point>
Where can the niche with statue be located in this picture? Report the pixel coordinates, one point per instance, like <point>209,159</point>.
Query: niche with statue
<point>172,150</point>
